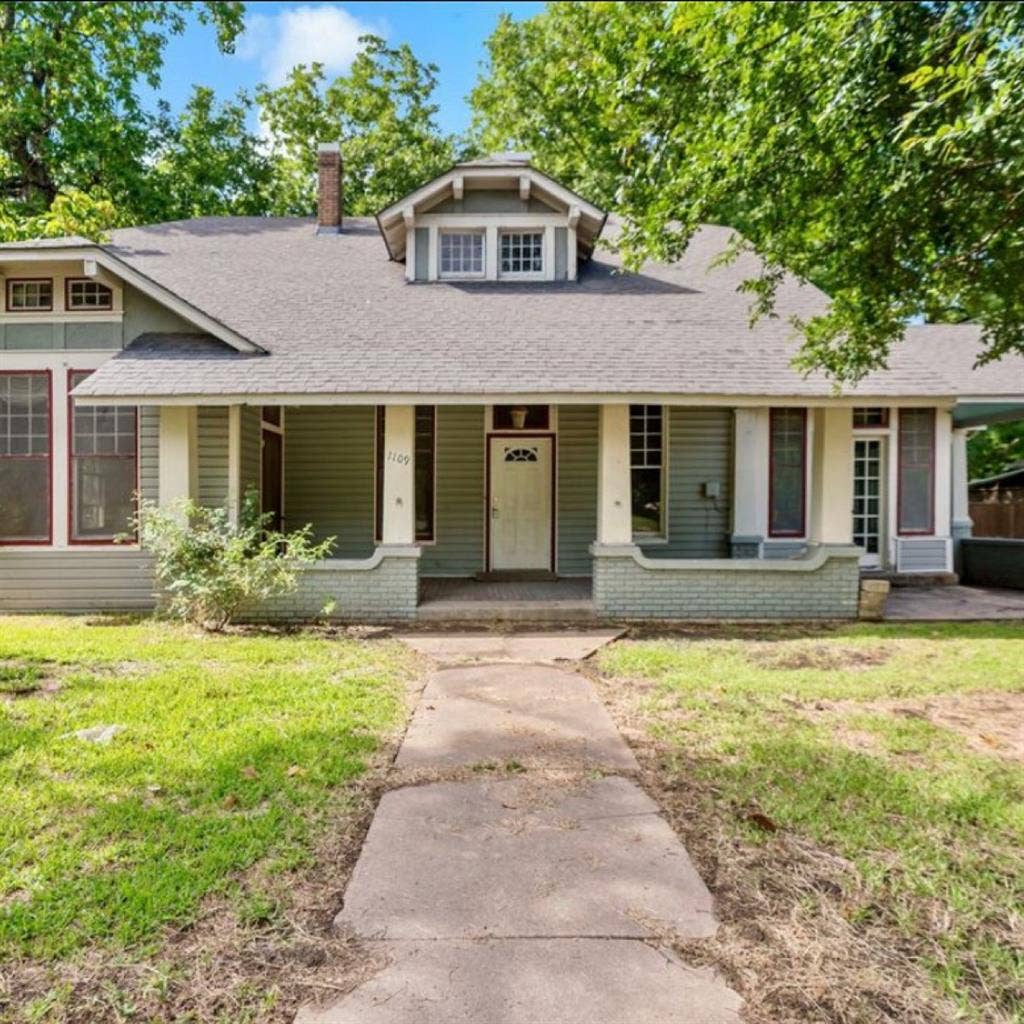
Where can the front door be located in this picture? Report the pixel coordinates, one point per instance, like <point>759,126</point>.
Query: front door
<point>868,505</point>
<point>520,507</point>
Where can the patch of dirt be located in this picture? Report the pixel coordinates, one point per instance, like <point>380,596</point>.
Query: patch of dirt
<point>800,939</point>
<point>231,964</point>
<point>990,722</point>
<point>829,657</point>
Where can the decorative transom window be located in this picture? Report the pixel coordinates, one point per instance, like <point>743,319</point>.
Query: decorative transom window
<point>646,460</point>
<point>462,253</point>
<point>84,294</point>
<point>522,252</point>
<point>521,455</point>
<point>871,416</point>
<point>28,295</point>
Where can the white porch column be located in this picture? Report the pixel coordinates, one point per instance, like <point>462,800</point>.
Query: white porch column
<point>178,454</point>
<point>832,476</point>
<point>614,497</point>
<point>750,481</point>
<point>399,492</point>
<point>234,462</point>
<point>960,510</point>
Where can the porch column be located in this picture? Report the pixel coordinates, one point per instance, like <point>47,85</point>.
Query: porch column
<point>614,497</point>
<point>960,510</point>
<point>398,521</point>
<point>750,481</point>
<point>832,476</point>
<point>178,454</point>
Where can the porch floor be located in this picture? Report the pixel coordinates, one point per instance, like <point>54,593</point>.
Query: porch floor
<point>559,600</point>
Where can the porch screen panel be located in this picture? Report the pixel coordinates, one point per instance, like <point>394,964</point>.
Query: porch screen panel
<point>25,457</point>
<point>787,473</point>
<point>104,468</point>
<point>916,503</point>
<point>647,462</point>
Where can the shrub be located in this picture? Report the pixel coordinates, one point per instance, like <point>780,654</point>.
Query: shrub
<point>210,568</point>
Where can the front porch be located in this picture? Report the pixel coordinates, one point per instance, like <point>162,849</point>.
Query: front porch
<point>616,511</point>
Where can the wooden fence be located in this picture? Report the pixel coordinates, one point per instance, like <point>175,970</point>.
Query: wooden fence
<point>997,518</point>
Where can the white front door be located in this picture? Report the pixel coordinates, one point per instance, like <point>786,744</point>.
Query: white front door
<point>868,495</point>
<point>520,503</point>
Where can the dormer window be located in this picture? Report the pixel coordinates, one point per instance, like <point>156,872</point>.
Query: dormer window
<point>522,253</point>
<point>85,294</point>
<point>30,295</point>
<point>461,254</point>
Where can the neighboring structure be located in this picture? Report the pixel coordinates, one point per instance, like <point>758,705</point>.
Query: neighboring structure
<point>997,505</point>
<point>486,393</point>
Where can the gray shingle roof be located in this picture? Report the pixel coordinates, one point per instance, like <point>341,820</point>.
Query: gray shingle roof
<point>337,317</point>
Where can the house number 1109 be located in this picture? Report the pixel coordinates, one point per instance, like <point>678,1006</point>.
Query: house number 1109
<point>402,458</point>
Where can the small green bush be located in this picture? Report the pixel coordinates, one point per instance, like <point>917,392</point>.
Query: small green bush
<point>210,568</point>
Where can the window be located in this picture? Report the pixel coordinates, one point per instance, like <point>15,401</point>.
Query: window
<point>787,473</point>
<point>85,294</point>
<point>103,467</point>
<point>426,430</point>
<point>462,254</point>
<point>25,456</point>
<point>29,295</point>
<point>871,416</point>
<point>522,252</point>
<point>916,501</point>
<point>646,458</point>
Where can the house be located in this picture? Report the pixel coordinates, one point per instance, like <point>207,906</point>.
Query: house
<point>467,387</point>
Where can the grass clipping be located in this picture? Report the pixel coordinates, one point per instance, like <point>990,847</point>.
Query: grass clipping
<point>799,938</point>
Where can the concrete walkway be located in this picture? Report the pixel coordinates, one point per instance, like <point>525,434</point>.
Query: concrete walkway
<point>525,878</point>
<point>953,604</point>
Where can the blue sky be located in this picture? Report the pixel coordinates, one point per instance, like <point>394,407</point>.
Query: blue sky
<point>279,35</point>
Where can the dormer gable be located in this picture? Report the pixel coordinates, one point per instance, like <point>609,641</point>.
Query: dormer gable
<point>493,219</point>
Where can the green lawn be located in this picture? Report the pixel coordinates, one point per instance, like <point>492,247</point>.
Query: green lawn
<point>805,726</point>
<point>231,751</point>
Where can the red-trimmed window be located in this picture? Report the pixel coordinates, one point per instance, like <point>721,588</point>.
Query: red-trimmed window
<point>103,468</point>
<point>787,473</point>
<point>26,455</point>
<point>916,502</point>
<point>82,294</point>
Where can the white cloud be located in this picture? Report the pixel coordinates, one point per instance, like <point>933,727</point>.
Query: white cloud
<point>301,35</point>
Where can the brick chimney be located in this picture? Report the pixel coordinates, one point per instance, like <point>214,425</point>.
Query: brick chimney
<point>329,193</point>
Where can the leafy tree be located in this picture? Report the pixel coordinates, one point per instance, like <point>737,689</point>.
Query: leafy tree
<point>70,116</point>
<point>210,163</point>
<point>380,111</point>
<point>995,450</point>
<point>875,148</point>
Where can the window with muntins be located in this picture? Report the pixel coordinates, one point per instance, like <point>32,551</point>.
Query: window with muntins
<point>787,474</point>
<point>916,501</point>
<point>870,416</point>
<point>521,252</point>
<point>426,430</point>
<point>25,457</point>
<point>83,294</point>
<point>30,295</point>
<point>461,254</point>
<point>647,477</point>
<point>104,468</point>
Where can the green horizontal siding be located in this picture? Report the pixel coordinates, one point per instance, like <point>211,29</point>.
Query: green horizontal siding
<point>149,452</point>
<point>700,450</point>
<point>328,475</point>
<point>459,511</point>
<point>212,446</point>
<point>577,488</point>
<point>249,450</point>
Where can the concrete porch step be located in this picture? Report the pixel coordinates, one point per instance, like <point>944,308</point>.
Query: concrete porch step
<point>511,611</point>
